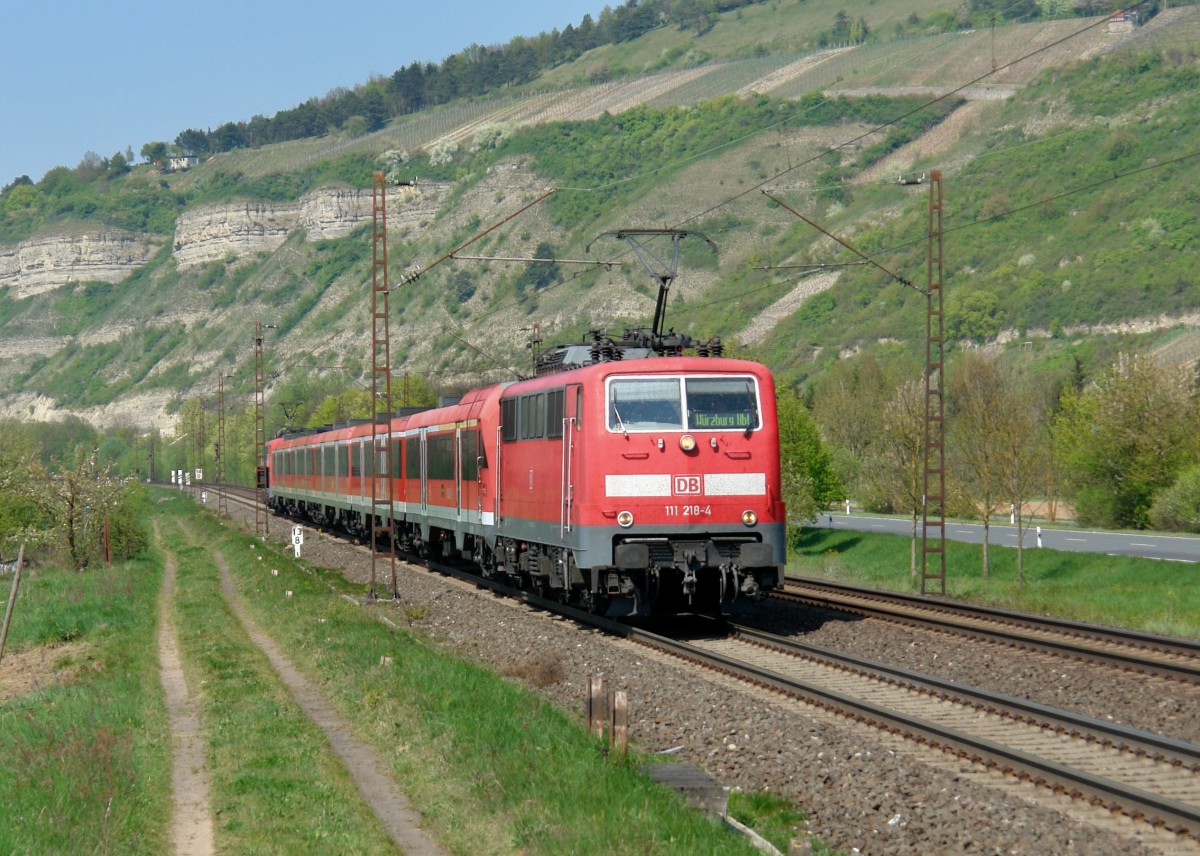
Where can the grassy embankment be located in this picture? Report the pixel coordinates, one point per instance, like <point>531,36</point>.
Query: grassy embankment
<point>1122,591</point>
<point>492,768</point>
<point>83,756</point>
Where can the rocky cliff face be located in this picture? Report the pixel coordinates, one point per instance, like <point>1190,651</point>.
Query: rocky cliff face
<point>204,234</point>
<point>211,232</point>
<point>49,261</point>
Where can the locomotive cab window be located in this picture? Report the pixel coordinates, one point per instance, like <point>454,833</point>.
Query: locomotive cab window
<point>704,403</point>
<point>644,404</point>
<point>722,404</point>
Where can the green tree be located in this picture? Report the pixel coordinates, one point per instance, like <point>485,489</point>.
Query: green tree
<point>1022,458</point>
<point>78,500</point>
<point>810,481</point>
<point>19,461</point>
<point>24,197</point>
<point>975,391</point>
<point>1177,508</point>
<point>350,404</point>
<point>848,406</point>
<point>117,165</point>
<point>1124,438</point>
<point>154,152</point>
<point>896,466</point>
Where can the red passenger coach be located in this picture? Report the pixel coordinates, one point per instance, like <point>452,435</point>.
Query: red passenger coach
<point>628,486</point>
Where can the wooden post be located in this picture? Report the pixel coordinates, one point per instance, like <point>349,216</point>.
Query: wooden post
<point>620,723</point>
<point>12,598</point>
<point>595,706</point>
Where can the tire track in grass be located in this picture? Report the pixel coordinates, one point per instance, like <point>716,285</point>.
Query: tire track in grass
<point>366,768</point>
<point>191,820</point>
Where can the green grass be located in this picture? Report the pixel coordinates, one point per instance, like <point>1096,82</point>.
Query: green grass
<point>276,785</point>
<point>85,766</point>
<point>1122,591</point>
<point>491,768</point>
<point>772,817</point>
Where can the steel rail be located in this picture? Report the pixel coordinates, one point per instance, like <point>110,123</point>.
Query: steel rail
<point>1137,740</point>
<point>1181,818</point>
<point>1076,638</point>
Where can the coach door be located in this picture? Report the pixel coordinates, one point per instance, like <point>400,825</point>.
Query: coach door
<point>425,474</point>
<point>458,474</point>
<point>571,407</point>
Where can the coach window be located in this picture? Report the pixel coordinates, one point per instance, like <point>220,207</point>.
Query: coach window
<point>356,460</point>
<point>508,419</point>
<point>329,458</point>
<point>395,454</point>
<point>412,456</point>
<point>554,413</point>
<point>527,426</point>
<point>469,466</point>
<point>441,456</point>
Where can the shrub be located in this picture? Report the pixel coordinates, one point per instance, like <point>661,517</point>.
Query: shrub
<point>1177,508</point>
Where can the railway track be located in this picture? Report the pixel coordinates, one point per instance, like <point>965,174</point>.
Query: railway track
<point>1126,771</point>
<point>1144,653</point>
<point>1129,771</point>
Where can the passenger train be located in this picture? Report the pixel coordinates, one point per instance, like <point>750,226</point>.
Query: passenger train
<point>630,484</point>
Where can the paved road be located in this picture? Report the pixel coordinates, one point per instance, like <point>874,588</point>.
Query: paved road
<point>1174,548</point>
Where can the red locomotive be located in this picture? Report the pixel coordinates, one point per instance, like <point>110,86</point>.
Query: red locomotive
<point>630,486</point>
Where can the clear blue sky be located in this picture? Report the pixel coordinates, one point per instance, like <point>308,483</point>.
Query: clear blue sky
<point>85,76</point>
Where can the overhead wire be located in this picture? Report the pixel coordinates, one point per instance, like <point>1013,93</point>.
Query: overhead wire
<point>793,167</point>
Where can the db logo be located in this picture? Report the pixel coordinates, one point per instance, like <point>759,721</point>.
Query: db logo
<point>686,485</point>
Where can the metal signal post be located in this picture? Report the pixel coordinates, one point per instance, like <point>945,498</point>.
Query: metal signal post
<point>219,452</point>
<point>933,537</point>
<point>383,451</point>
<point>261,517</point>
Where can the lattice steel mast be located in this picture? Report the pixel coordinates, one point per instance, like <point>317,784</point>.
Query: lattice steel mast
<point>382,464</point>
<point>261,517</point>
<point>219,455</point>
<point>933,533</point>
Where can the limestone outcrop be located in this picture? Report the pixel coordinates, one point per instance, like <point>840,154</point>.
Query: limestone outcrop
<point>50,261</point>
<point>207,233</point>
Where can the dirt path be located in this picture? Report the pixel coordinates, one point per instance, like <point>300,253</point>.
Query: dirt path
<point>366,768</point>
<point>191,823</point>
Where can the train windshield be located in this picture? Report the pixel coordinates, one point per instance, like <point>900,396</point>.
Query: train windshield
<point>704,403</point>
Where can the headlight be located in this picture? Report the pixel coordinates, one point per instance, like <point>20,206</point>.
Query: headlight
<point>687,442</point>
<point>625,519</point>
<point>749,518</point>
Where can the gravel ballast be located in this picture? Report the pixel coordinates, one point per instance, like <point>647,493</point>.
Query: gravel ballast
<point>863,790</point>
